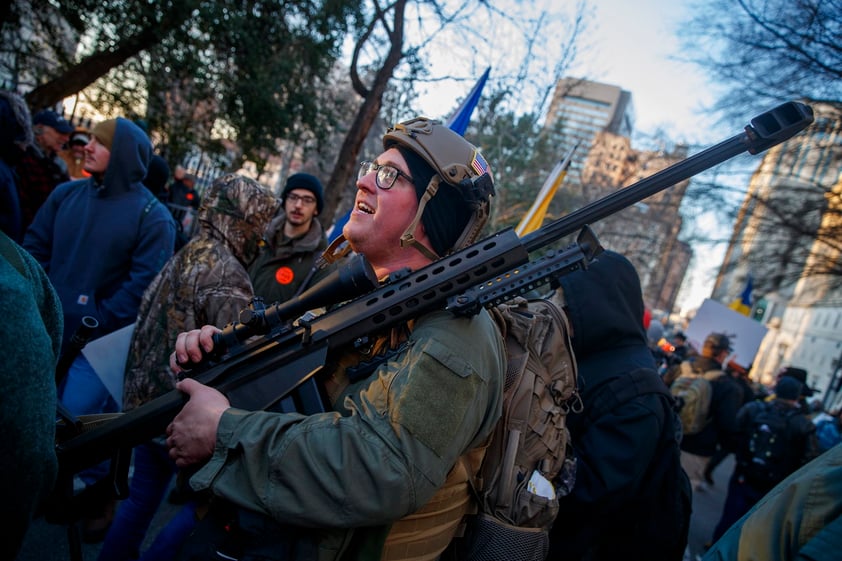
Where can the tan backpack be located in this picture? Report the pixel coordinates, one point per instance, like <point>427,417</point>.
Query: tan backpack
<point>693,393</point>
<point>505,494</point>
<point>529,462</point>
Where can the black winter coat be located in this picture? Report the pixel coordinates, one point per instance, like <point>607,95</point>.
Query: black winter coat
<point>616,497</point>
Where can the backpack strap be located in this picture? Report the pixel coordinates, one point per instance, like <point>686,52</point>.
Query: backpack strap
<point>611,394</point>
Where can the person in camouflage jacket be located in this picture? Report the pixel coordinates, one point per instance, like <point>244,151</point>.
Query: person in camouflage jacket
<point>204,283</point>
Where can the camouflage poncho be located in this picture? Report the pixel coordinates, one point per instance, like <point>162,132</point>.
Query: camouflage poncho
<point>205,283</point>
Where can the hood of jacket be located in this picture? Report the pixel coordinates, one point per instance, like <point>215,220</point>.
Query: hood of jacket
<point>15,130</point>
<point>237,209</point>
<point>130,154</point>
<point>605,305</point>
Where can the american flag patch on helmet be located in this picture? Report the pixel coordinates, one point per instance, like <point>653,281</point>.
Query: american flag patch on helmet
<point>478,163</point>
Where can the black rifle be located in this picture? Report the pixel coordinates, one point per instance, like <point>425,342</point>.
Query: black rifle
<point>74,346</point>
<point>280,370</point>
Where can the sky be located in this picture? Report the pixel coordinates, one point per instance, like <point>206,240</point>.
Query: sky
<point>634,45</point>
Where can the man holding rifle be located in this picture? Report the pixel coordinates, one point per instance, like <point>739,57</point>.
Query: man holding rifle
<point>360,478</point>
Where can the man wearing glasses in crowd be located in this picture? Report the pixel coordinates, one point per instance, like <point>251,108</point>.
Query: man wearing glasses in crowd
<point>294,239</point>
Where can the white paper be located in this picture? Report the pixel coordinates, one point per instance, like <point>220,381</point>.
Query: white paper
<point>540,486</point>
<point>107,356</point>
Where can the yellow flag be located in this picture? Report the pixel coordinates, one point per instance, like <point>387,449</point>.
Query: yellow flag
<point>534,217</point>
<point>742,304</point>
<point>738,306</point>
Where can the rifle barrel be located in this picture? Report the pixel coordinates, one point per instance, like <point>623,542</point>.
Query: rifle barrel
<point>765,130</point>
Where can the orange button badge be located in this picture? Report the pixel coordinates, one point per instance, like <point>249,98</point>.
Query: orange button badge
<point>284,275</point>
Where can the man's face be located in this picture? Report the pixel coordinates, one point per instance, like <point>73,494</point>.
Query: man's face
<point>300,207</point>
<point>96,157</point>
<point>51,140</point>
<point>381,216</point>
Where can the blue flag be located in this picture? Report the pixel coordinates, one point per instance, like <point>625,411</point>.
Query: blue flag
<point>458,122</point>
<point>745,297</point>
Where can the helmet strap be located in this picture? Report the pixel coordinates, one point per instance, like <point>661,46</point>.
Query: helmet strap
<point>474,227</point>
<point>337,249</point>
<point>408,237</point>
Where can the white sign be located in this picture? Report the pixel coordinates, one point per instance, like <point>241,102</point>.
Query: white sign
<point>745,333</point>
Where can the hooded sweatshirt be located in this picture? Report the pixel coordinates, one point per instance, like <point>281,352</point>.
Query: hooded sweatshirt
<point>616,452</point>
<point>102,240</point>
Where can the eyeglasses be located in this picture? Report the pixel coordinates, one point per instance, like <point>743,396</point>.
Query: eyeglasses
<point>305,199</point>
<point>386,174</point>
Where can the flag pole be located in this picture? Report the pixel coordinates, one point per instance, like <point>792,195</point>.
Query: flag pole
<point>534,217</point>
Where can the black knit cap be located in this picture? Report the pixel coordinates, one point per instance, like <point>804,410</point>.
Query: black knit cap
<point>305,181</point>
<point>446,214</point>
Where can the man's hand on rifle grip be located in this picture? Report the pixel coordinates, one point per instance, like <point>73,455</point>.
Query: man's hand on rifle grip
<point>191,347</point>
<point>191,436</point>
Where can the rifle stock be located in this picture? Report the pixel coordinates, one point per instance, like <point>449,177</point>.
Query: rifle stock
<point>280,370</point>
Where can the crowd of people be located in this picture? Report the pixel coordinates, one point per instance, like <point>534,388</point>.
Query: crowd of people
<point>90,228</point>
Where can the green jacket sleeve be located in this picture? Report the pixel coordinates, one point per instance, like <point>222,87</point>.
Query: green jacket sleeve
<point>789,517</point>
<point>384,455</point>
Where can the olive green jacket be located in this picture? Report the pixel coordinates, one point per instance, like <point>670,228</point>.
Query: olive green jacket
<point>383,452</point>
<point>799,519</point>
<point>283,263</point>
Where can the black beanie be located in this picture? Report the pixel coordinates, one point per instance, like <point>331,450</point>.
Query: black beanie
<point>446,214</point>
<point>305,181</point>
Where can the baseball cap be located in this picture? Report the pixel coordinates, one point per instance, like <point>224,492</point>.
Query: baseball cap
<point>53,119</point>
<point>80,137</point>
<point>718,341</point>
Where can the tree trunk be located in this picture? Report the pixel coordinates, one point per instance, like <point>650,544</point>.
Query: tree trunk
<point>346,163</point>
<point>88,71</point>
<point>76,78</point>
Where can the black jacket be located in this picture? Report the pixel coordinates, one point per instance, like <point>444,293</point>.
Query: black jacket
<point>616,493</point>
<point>800,435</point>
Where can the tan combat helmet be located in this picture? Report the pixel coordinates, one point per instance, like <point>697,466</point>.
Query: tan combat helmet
<point>457,164</point>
